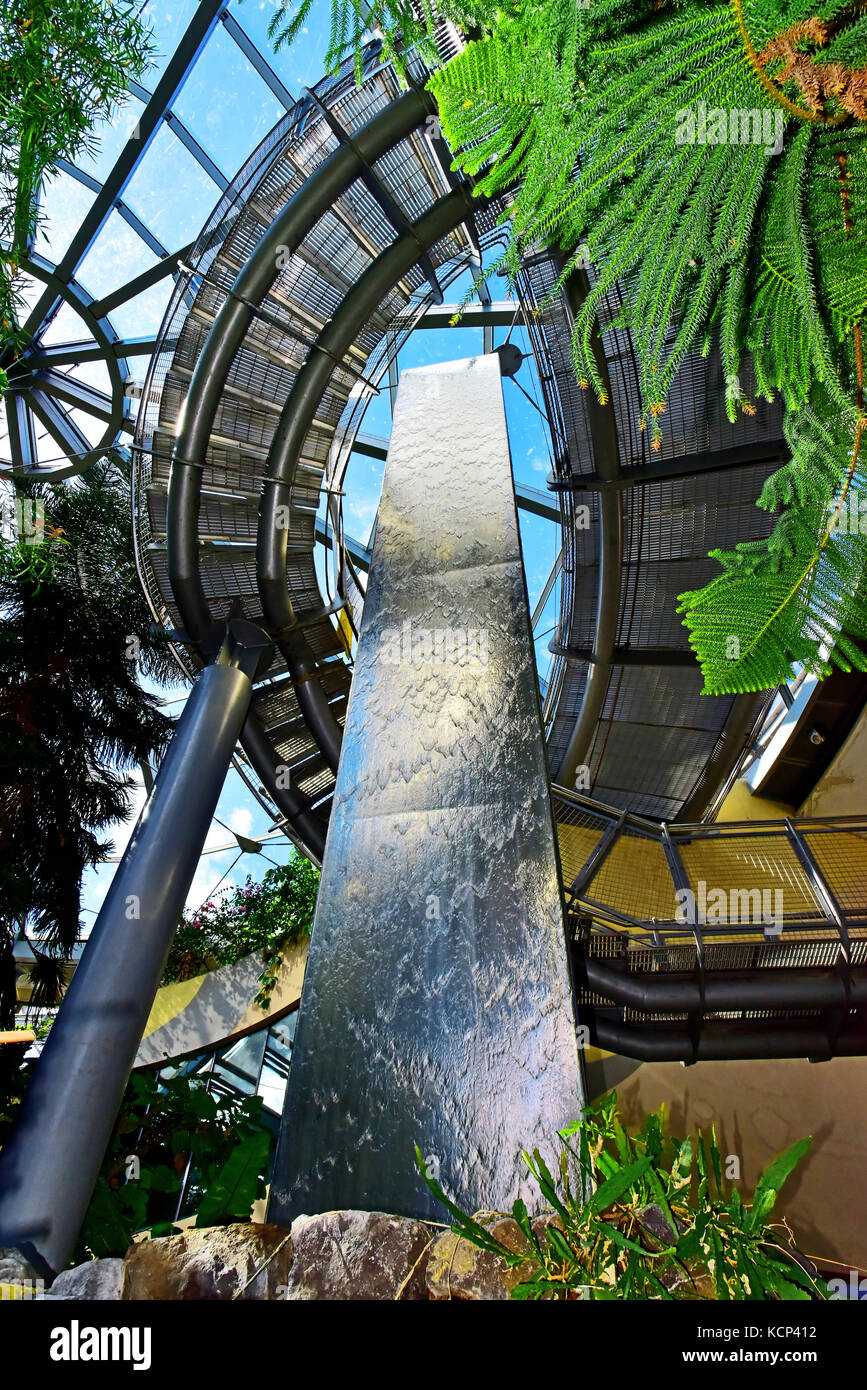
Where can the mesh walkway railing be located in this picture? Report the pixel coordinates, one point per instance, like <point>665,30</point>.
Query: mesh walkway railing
<point>726,940</point>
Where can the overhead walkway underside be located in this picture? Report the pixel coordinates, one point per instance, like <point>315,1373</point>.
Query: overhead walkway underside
<point>700,942</point>
<point>324,253</point>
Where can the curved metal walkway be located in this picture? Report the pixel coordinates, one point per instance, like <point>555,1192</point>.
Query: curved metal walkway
<point>339,233</point>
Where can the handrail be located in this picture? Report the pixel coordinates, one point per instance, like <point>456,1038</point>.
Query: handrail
<point>821,904</point>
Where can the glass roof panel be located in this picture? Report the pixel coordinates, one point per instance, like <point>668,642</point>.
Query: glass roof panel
<point>223,68</point>
<point>141,317</point>
<point>28,289</point>
<point>91,373</point>
<point>169,19</point>
<point>65,327</point>
<point>171,192</point>
<point>90,427</point>
<point>110,138</point>
<point>303,64</point>
<point>117,255</point>
<point>63,204</point>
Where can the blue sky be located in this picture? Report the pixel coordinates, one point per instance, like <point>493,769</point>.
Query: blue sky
<point>229,109</point>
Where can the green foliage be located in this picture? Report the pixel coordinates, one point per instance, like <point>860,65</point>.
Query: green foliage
<point>579,115</point>
<point>75,636</point>
<point>265,916</point>
<point>159,1127</point>
<point>64,64</point>
<point>611,1204</point>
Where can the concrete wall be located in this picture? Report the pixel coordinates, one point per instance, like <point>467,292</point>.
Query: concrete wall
<point>212,1009</point>
<point>759,1109</point>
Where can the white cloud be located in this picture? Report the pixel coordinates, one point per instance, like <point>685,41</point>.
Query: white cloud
<point>241,820</point>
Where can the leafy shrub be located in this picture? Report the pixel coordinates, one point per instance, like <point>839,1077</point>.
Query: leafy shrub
<point>266,917</point>
<point>162,1127</point>
<point>646,1218</point>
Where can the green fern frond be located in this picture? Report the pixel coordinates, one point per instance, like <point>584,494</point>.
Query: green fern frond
<point>798,597</point>
<point>721,186</point>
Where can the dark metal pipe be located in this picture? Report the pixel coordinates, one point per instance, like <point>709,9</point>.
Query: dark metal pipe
<point>324,186</point>
<point>50,1163</point>
<point>606,451</point>
<point>723,1042</point>
<point>292,802</point>
<point>295,421</point>
<point>758,989</point>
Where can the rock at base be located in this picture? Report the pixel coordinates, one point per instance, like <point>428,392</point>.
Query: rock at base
<point>97,1280</point>
<point>18,1275</point>
<point>460,1270</point>
<point>212,1263</point>
<point>358,1255</point>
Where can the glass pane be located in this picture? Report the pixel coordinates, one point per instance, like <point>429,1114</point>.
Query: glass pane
<point>303,64</point>
<point>110,138</point>
<point>223,69</point>
<point>63,204</point>
<point>170,192</point>
<point>236,1067</point>
<point>275,1069</point>
<point>168,19</point>
<point>117,255</point>
<point>142,316</point>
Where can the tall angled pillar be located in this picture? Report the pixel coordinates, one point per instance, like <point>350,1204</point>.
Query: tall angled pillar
<point>437,1007</point>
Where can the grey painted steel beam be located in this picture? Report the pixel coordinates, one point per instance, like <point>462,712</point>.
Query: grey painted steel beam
<point>49,1165</point>
<point>71,354</point>
<point>669,470</point>
<point>22,436</point>
<point>79,394</point>
<point>546,592</point>
<point>501,314</point>
<point>606,448</point>
<point>437,1006</point>
<point>628,656</point>
<point>381,195</point>
<point>529,499</point>
<point>61,426</point>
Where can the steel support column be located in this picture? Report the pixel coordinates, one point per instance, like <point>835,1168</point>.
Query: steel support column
<point>437,1007</point>
<point>49,1165</point>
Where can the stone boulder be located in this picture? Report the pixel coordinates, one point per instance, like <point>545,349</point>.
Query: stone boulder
<point>215,1262</point>
<point>457,1269</point>
<point>97,1280</point>
<point>18,1278</point>
<point>358,1255</point>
